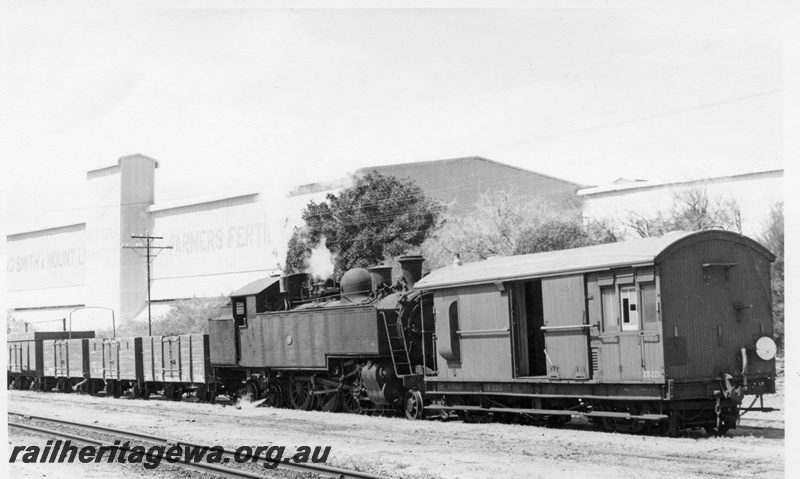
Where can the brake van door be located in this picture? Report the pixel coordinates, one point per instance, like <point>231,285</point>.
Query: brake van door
<point>566,327</point>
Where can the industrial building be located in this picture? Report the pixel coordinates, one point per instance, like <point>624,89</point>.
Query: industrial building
<point>218,244</point>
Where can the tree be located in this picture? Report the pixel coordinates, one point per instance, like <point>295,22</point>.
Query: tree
<point>692,209</point>
<point>186,316</point>
<point>377,218</point>
<point>502,224</point>
<point>772,238</point>
<point>551,235</point>
<point>14,325</point>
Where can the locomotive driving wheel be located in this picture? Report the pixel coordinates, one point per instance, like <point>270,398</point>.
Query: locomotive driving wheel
<point>274,395</point>
<point>251,392</point>
<point>300,395</point>
<point>330,401</point>
<point>350,402</point>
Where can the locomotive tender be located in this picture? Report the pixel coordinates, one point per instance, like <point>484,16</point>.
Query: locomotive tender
<point>659,333</point>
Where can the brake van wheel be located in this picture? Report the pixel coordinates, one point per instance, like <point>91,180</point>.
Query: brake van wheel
<point>414,405</point>
<point>723,428</point>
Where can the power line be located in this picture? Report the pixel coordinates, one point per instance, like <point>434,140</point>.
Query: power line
<point>632,120</point>
<point>149,257</point>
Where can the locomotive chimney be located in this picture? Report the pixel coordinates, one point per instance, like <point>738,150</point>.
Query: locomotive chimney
<point>412,269</point>
<point>380,274</point>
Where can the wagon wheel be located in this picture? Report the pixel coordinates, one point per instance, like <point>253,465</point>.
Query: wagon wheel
<point>62,385</point>
<point>114,388</point>
<point>350,402</point>
<point>23,383</point>
<point>415,405</point>
<point>330,401</point>
<point>45,385</point>
<point>173,392</point>
<point>146,391</point>
<point>212,393</point>
<point>300,393</point>
<point>274,395</point>
<point>201,393</point>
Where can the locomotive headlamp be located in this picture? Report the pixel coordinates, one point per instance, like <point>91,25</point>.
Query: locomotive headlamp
<point>766,348</point>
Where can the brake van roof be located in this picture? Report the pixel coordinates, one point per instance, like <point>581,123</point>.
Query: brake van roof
<point>640,252</point>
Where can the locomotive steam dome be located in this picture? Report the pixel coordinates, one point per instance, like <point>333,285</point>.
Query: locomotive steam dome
<point>356,281</point>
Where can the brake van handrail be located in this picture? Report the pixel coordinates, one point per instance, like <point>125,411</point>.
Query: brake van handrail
<point>483,331</point>
<point>560,328</point>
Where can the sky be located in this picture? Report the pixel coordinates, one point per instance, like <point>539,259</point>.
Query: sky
<point>232,97</point>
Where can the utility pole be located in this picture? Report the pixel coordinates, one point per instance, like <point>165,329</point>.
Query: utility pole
<point>147,247</point>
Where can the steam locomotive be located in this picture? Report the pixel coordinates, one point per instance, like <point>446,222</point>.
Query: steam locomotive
<point>654,334</point>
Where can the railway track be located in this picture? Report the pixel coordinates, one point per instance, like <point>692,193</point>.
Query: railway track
<point>320,470</point>
<point>664,454</point>
<point>765,424</point>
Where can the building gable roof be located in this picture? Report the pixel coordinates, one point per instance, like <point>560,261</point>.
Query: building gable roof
<point>464,159</point>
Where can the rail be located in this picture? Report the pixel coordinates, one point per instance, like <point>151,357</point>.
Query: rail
<point>204,467</point>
